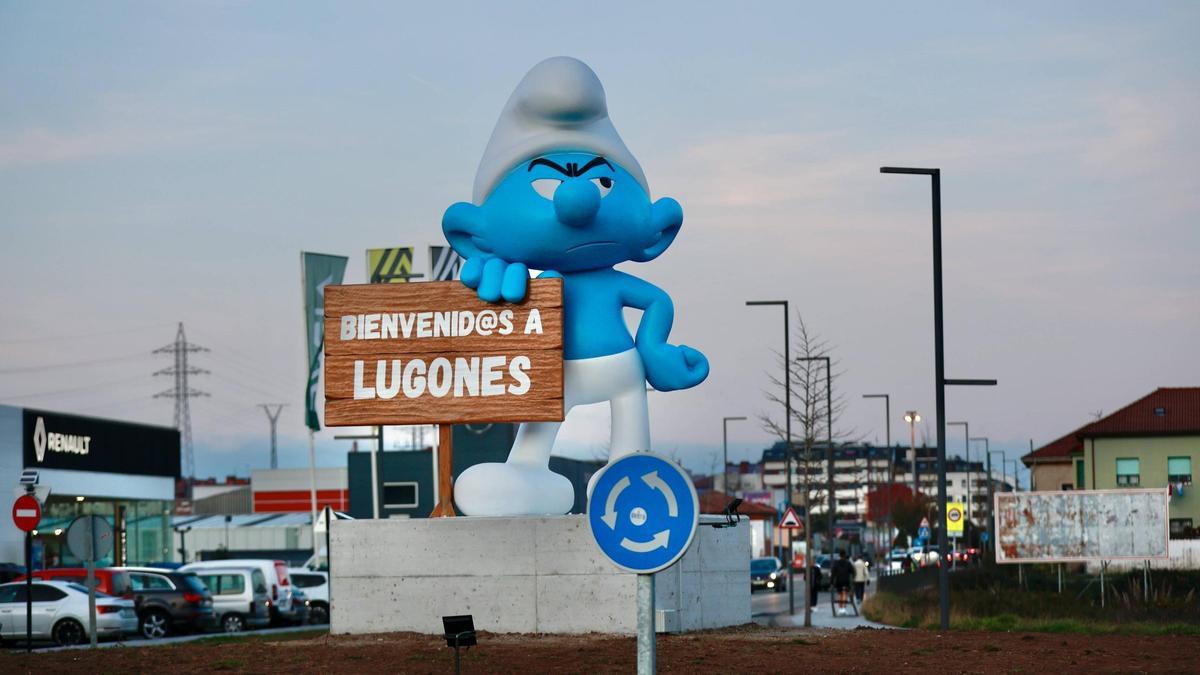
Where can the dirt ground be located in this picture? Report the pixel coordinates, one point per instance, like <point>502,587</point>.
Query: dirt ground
<point>748,649</point>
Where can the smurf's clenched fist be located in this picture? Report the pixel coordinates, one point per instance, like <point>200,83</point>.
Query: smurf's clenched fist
<point>670,367</point>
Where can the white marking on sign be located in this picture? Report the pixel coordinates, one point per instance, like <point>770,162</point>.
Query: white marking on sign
<point>637,516</point>
<point>27,513</point>
<point>610,507</point>
<point>660,540</point>
<point>659,484</point>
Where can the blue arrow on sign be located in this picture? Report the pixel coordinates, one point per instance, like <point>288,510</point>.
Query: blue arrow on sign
<point>643,512</point>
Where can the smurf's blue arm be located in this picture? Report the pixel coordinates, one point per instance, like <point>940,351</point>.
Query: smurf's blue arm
<point>658,313</point>
<point>668,367</point>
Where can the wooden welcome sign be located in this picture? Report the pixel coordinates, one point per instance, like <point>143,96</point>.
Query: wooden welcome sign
<point>434,353</point>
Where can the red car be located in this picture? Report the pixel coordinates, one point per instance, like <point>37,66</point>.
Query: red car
<point>113,582</point>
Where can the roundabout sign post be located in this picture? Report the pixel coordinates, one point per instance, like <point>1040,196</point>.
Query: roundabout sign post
<point>643,512</point>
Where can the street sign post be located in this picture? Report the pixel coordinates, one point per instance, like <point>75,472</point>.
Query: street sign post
<point>26,514</point>
<point>643,513</point>
<point>90,538</point>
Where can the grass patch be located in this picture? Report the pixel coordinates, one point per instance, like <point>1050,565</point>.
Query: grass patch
<point>803,641</point>
<point>920,610</point>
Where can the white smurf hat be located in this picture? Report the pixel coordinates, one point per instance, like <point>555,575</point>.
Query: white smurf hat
<point>558,106</point>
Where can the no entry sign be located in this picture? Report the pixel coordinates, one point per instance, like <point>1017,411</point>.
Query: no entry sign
<point>435,353</point>
<point>27,513</point>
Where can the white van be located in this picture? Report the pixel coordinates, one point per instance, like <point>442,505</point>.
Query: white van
<point>239,595</point>
<point>279,585</point>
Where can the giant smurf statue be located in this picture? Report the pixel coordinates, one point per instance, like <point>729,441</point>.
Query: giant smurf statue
<point>557,190</point>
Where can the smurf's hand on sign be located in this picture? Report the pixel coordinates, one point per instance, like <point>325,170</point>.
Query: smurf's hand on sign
<point>494,279</point>
<point>670,367</point>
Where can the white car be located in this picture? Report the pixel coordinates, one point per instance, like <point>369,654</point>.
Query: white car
<point>315,585</point>
<point>279,585</point>
<point>60,613</point>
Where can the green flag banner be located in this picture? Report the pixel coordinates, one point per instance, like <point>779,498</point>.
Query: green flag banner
<point>317,271</point>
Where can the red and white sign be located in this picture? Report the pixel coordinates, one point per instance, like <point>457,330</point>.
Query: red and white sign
<point>26,513</point>
<point>790,520</point>
<point>925,523</point>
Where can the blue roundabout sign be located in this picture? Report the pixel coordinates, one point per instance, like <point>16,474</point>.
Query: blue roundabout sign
<point>643,512</point>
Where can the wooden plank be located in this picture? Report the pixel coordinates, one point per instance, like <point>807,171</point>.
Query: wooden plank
<point>428,363</point>
<point>426,311</point>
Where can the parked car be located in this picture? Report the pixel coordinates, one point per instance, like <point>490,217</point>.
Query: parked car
<point>60,613</point>
<point>240,596</point>
<point>315,585</point>
<point>10,571</point>
<point>279,583</point>
<point>768,574</point>
<point>109,580</point>
<point>169,602</point>
<point>895,561</point>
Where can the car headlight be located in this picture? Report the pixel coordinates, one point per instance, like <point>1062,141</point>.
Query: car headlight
<point>773,575</point>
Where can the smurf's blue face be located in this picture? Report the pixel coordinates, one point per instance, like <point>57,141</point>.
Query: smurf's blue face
<point>566,212</point>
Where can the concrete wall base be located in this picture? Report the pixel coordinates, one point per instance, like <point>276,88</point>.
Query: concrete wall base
<point>523,575</point>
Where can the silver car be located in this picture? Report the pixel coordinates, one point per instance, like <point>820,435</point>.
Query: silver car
<point>60,613</point>
<point>240,597</point>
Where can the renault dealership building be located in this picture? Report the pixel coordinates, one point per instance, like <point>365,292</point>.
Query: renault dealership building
<point>122,471</point>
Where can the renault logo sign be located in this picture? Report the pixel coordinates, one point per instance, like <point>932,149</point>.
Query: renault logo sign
<point>39,438</point>
<point>57,442</point>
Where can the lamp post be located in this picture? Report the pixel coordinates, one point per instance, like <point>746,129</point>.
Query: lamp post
<point>987,454</point>
<point>831,498</point>
<point>1003,466</point>
<point>940,379</point>
<point>787,452</point>
<point>1016,476</point>
<point>725,445</point>
<point>887,432</point>
<point>912,417</point>
<point>967,452</point>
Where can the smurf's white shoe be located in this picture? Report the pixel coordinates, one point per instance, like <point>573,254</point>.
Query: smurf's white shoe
<point>512,489</point>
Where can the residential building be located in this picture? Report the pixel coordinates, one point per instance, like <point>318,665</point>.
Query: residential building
<point>1052,467</point>
<point>1152,442</point>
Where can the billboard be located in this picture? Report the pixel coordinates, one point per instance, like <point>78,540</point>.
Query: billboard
<point>1081,525</point>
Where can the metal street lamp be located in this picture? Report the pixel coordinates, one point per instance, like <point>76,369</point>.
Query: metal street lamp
<point>831,500</point>
<point>967,452</point>
<point>1016,475</point>
<point>725,444</point>
<point>987,453</point>
<point>940,379</point>
<point>887,432</point>
<point>787,453</point>
<point>912,417</point>
<point>1003,465</point>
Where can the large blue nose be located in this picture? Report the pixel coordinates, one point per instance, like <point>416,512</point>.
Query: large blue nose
<point>576,202</point>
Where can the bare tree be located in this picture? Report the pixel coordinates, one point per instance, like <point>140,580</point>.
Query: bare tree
<point>810,415</point>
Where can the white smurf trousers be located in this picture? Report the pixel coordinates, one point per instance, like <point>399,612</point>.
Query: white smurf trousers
<point>525,485</point>
<point>618,379</point>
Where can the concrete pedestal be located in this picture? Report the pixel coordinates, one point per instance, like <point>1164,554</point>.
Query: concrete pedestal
<point>523,575</point>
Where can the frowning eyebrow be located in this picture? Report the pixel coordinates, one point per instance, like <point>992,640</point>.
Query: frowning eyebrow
<point>545,162</point>
<point>572,170</point>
